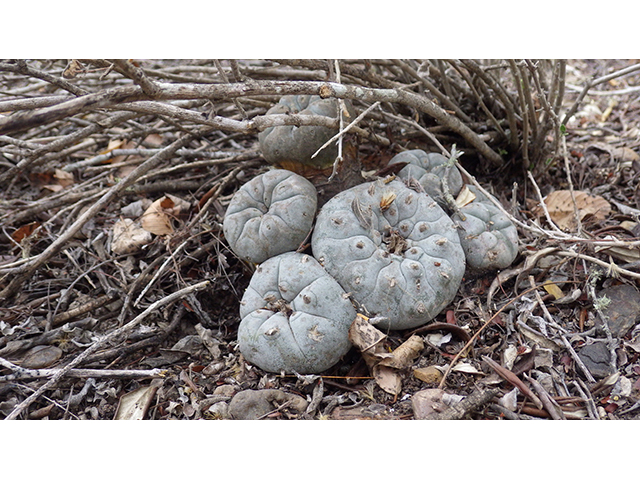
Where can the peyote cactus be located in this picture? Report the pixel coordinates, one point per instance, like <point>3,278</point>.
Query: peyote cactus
<point>487,236</point>
<point>489,239</point>
<point>386,245</point>
<point>394,249</point>
<point>295,316</point>
<point>428,169</point>
<point>292,147</point>
<point>271,214</point>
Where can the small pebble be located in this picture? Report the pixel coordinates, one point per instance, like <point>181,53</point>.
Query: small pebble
<point>41,356</point>
<point>597,359</point>
<point>623,311</point>
<point>429,374</point>
<point>225,390</point>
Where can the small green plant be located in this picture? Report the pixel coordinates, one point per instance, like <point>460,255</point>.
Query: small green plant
<point>601,303</point>
<point>595,276</point>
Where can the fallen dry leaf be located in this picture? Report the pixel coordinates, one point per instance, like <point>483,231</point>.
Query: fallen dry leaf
<point>65,179</point>
<point>605,115</point>
<point>465,197</point>
<point>58,181</point>
<point>129,162</point>
<point>385,367</point>
<point>629,226</point>
<point>364,335</point>
<point>625,254</point>
<point>154,140</point>
<point>538,338</point>
<point>53,188</point>
<point>114,144</point>
<point>388,379</point>
<point>73,68</point>
<point>41,356</point>
<point>625,154</point>
<point>158,218</point>
<point>465,368</point>
<point>128,237</point>
<point>24,231</point>
<point>513,379</point>
<point>134,405</point>
<point>405,354</point>
<point>561,208</point>
<point>126,168</point>
<point>41,179</point>
<point>136,209</point>
<point>554,290</point>
<point>510,400</point>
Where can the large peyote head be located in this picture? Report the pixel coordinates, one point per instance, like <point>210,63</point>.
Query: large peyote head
<point>393,248</point>
<point>294,316</point>
<point>271,214</point>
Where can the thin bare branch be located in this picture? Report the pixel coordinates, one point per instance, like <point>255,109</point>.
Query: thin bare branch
<point>112,193</point>
<point>17,411</point>
<point>122,95</point>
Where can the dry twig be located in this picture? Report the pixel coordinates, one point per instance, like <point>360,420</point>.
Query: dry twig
<point>17,411</point>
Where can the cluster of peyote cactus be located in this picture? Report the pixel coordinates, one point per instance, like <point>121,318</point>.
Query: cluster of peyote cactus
<point>396,249</point>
